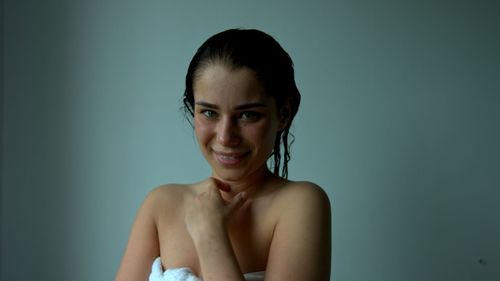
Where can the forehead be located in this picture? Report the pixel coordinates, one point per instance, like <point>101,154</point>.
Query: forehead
<point>218,82</point>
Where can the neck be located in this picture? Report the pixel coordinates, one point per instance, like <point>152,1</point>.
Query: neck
<point>250,184</point>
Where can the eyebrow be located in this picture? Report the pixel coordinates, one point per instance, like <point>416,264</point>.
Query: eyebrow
<point>239,107</point>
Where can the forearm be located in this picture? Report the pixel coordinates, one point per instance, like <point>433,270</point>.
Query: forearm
<point>217,259</point>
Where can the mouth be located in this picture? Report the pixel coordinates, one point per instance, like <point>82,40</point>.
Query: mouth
<point>230,159</point>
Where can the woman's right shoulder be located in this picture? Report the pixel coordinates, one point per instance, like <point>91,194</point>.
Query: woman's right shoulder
<point>167,197</point>
<point>159,207</point>
<point>167,191</point>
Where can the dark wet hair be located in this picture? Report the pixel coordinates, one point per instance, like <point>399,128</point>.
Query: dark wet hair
<point>273,67</point>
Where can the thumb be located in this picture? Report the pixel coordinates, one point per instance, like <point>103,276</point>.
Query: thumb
<point>236,202</point>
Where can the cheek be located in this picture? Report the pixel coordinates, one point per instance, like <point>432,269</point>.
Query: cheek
<point>202,129</point>
<point>264,134</point>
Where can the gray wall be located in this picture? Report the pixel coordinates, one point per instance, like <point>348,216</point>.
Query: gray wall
<point>1,131</point>
<point>399,123</point>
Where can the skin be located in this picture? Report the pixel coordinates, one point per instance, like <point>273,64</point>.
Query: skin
<point>242,218</point>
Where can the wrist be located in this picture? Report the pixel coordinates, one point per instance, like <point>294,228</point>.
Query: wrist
<point>209,236</point>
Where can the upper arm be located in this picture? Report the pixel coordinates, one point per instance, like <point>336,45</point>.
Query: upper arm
<point>301,245</point>
<point>143,245</point>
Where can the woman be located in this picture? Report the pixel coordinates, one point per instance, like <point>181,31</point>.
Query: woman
<point>244,220</point>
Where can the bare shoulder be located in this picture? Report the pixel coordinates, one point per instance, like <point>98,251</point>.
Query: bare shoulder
<point>167,196</point>
<point>144,245</point>
<point>303,194</point>
<point>302,233</point>
<point>168,192</point>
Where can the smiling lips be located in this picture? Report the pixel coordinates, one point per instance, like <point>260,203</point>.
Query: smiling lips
<point>229,159</point>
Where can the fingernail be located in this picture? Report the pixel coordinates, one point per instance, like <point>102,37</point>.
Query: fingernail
<point>222,185</point>
<point>243,195</point>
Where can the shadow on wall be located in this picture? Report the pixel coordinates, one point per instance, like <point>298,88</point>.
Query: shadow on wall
<point>1,128</point>
<point>35,156</point>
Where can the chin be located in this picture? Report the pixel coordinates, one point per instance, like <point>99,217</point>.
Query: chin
<point>230,176</point>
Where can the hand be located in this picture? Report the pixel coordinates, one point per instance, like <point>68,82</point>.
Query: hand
<point>209,213</point>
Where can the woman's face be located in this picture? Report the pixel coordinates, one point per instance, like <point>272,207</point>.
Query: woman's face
<point>235,122</point>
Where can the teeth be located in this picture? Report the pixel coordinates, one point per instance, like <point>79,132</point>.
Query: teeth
<point>225,157</point>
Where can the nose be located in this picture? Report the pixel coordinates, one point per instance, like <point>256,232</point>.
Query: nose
<point>228,134</point>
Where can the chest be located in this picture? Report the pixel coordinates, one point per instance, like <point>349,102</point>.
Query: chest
<point>250,237</point>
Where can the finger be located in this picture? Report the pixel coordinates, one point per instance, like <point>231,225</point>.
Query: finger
<point>236,202</point>
<point>213,191</point>
<point>222,185</point>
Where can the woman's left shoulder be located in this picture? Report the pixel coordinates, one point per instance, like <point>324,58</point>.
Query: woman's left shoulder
<point>302,232</point>
<point>304,193</point>
<point>303,188</point>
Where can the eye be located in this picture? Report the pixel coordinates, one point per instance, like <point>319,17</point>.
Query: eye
<point>250,115</point>
<point>209,114</point>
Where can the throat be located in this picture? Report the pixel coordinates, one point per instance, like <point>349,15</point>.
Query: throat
<point>251,185</point>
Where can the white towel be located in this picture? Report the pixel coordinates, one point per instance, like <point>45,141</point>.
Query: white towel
<point>254,276</point>
<point>185,274</point>
<point>171,274</point>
